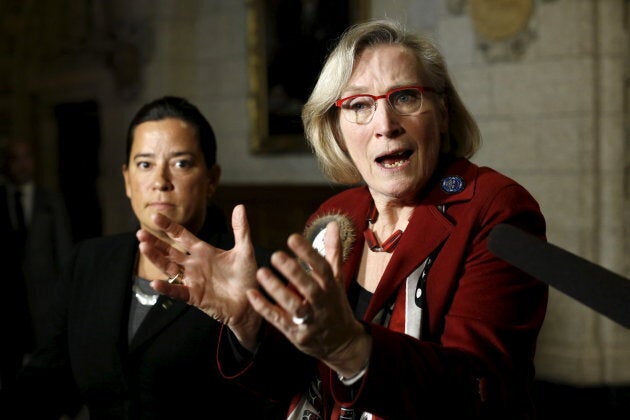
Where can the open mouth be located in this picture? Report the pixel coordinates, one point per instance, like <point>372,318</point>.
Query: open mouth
<point>395,159</point>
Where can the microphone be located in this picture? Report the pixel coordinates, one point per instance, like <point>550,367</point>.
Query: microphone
<point>316,231</point>
<point>596,287</point>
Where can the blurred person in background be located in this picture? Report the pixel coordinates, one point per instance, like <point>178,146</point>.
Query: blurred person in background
<point>37,235</point>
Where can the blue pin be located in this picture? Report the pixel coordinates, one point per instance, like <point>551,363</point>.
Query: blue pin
<point>452,184</point>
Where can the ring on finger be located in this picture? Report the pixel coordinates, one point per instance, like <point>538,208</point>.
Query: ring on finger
<point>303,315</point>
<point>177,278</point>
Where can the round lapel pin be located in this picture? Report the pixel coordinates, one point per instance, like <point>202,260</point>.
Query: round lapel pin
<point>452,184</point>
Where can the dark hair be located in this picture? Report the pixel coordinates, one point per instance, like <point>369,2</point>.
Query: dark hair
<point>180,108</point>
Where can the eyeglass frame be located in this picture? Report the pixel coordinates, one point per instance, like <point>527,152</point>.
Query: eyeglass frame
<point>422,89</point>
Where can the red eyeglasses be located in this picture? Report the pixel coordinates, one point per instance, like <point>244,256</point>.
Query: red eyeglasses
<point>406,100</point>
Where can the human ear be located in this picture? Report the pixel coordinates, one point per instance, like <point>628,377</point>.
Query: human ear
<point>214,175</point>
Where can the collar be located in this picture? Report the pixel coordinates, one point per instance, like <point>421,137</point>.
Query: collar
<point>454,180</point>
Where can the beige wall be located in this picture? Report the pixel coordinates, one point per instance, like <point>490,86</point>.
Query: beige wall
<point>553,118</point>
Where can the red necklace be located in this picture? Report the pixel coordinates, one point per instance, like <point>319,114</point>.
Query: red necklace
<point>390,243</point>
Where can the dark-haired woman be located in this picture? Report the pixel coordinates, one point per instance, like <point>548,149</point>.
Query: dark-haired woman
<point>115,346</point>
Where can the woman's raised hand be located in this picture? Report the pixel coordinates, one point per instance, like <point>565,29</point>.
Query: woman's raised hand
<point>214,280</point>
<point>312,309</point>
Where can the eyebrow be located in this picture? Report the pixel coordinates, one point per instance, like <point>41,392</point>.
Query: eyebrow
<point>353,90</point>
<point>172,155</point>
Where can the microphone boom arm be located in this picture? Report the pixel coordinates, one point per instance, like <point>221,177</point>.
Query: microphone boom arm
<point>598,288</point>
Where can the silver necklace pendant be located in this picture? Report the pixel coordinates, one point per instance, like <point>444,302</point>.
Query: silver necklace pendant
<point>143,298</point>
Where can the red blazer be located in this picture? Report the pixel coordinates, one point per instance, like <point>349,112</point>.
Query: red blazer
<point>480,321</point>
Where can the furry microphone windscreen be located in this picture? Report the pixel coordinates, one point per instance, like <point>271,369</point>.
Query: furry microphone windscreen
<point>316,231</point>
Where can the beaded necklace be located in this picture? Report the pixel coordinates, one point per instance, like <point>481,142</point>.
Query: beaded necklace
<point>390,243</point>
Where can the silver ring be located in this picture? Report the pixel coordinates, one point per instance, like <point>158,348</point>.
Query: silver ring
<point>177,278</point>
<point>303,314</point>
<point>300,320</point>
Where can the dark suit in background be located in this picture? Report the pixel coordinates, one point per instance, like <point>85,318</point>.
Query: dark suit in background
<point>14,317</point>
<point>31,264</point>
<point>37,238</point>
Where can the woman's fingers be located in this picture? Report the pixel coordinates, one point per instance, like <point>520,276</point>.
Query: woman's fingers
<point>286,297</point>
<point>334,248</point>
<point>174,291</point>
<point>164,256</point>
<point>306,283</point>
<point>240,226</point>
<point>325,270</point>
<point>313,287</point>
<point>312,310</point>
<point>287,303</point>
<point>180,236</point>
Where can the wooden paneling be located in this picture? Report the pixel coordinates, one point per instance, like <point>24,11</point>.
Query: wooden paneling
<point>274,211</point>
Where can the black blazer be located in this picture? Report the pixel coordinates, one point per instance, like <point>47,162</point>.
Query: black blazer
<point>15,318</point>
<point>168,371</point>
<point>48,244</point>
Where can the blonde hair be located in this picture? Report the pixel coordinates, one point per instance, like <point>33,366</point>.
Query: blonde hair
<point>321,118</point>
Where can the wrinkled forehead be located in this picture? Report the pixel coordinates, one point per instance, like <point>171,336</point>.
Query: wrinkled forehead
<point>386,64</point>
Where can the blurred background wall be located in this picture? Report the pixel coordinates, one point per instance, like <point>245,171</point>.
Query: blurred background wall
<point>547,80</point>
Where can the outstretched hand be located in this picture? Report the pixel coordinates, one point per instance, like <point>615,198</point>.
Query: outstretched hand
<point>214,280</point>
<point>312,310</point>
